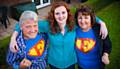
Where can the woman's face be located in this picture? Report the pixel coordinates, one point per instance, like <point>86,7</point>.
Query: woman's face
<point>61,15</point>
<point>30,28</point>
<point>84,21</point>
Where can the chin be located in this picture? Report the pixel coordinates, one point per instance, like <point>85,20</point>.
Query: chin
<point>83,28</point>
<point>32,36</point>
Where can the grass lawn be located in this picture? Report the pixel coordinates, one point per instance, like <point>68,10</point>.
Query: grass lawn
<point>111,16</point>
<point>3,49</point>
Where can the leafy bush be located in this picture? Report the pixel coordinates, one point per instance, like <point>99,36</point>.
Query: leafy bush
<point>3,50</point>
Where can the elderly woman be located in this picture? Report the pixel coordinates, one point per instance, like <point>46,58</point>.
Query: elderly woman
<point>31,44</point>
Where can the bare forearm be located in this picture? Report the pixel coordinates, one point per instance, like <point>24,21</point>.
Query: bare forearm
<point>14,35</point>
<point>13,44</point>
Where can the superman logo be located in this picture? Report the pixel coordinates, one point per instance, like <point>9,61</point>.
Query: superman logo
<point>37,49</point>
<point>85,44</point>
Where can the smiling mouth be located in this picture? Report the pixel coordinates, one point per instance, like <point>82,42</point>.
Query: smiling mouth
<point>61,19</point>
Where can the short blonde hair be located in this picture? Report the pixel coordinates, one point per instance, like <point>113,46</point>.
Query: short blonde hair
<point>28,15</point>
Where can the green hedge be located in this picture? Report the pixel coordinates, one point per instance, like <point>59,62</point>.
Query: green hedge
<point>3,50</point>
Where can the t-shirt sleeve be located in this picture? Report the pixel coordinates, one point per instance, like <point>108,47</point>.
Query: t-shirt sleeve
<point>98,20</point>
<point>17,27</point>
<point>43,26</point>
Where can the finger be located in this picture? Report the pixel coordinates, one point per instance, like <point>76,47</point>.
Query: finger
<point>105,35</point>
<point>28,62</point>
<point>100,32</point>
<point>102,59</point>
<point>12,49</point>
<point>105,60</point>
<point>23,61</point>
<point>16,47</point>
<point>27,65</point>
<point>102,36</point>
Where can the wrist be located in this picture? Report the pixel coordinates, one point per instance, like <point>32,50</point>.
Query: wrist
<point>106,54</point>
<point>14,35</point>
<point>13,38</point>
<point>102,24</point>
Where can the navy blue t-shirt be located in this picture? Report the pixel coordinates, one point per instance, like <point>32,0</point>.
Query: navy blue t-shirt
<point>35,48</point>
<point>87,49</point>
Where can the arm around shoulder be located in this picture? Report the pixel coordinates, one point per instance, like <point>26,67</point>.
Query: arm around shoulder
<point>107,45</point>
<point>43,25</point>
<point>103,28</point>
<point>13,44</point>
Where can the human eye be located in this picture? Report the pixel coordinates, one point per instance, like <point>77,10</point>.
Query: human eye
<point>28,26</point>
<point>57,13</point>
<point>86,17</point>
<point>35,25</point>
<point>80,17</point>
<point>63,12</point>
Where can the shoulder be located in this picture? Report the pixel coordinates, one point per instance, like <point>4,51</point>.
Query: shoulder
<point>43,35</point>
<point>43,21</point>
<point>96,27</point>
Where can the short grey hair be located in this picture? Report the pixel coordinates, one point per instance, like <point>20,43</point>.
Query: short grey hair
<point>28,15</point>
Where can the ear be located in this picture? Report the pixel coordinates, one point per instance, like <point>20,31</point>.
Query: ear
<point>21,27</point>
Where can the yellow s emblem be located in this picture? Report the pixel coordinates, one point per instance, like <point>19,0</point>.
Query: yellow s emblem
<point>37,49</point>
<point>85,44</point>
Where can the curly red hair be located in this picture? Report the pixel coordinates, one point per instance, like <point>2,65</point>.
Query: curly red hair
<point>53,23</point>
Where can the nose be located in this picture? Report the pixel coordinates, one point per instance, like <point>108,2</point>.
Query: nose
<point>32,29</point>
<point>81,20</point>
<point>61,15</point>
